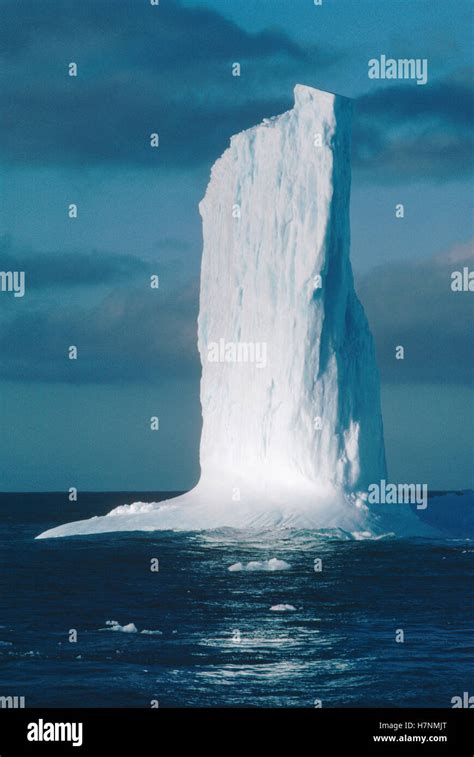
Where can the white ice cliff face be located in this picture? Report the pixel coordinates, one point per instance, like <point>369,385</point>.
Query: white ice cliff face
<point>292,433</point>
<point>259,286</point>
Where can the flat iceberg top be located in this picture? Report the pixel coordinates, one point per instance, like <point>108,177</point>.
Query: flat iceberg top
<point>304,93</point>
<point>315,111</point>
<point>321,101</point>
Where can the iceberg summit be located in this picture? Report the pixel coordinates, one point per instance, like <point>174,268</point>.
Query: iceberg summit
<point>292,430</point>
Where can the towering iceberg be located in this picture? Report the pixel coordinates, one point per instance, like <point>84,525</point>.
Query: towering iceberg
<point>292,428</point>
<point>278,274</point>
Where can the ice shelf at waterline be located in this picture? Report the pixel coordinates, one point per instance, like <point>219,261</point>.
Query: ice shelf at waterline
<point>296,439</point>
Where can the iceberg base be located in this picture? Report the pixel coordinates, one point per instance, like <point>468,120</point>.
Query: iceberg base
<point>200,510</point>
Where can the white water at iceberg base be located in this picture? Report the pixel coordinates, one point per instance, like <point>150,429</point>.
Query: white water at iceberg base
<point>295,438</point>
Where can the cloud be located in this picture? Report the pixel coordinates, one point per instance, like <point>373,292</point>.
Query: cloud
<point>138,334</point>
<point>136,30</point>
<point>167,69</point>
<point>403,132</point>
<point>140,69</point>
<point>134,334</point>
<point>412,304</point>
<point>50,269</point>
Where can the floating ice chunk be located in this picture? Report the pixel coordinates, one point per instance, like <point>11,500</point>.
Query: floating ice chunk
<point>255,565</point>
<point>282,608</point>
<point>113,625</point>
<point>152,633</point>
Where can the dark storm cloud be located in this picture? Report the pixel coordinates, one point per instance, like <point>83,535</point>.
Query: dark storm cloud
<point>139,334</point>
<point>168,69</point>
<point>412,304</point>
<point>152,37</point>
<point>134,334</point>
<point>57,269</point>
<point>403,132</point>
<point>141,69</point>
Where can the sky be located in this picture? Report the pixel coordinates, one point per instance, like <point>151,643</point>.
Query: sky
<point>85,140</point>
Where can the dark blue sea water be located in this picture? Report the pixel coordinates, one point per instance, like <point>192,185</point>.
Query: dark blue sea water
<point>219,642</point>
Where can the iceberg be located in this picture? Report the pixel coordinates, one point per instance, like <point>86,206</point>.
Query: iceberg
<point>114,625</point>
<point>260,565</point>
<point>292,431</point>
<point>282,608</point>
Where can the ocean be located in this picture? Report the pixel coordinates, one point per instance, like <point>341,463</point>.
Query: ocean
<point>86,621</point>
